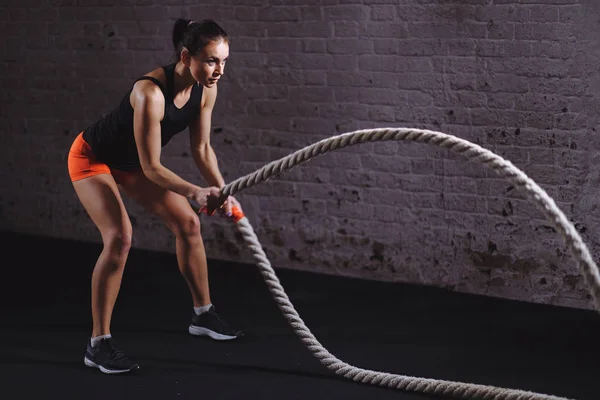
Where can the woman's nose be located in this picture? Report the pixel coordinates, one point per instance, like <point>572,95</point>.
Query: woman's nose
<point>220,69</point>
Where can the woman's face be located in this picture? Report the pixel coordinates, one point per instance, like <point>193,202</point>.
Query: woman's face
<point>208,66</point>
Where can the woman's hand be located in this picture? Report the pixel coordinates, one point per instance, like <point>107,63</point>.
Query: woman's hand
<point>228,205</point>
<point>207,197</point>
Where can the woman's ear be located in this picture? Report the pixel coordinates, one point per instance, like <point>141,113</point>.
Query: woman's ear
<point>186,57</point>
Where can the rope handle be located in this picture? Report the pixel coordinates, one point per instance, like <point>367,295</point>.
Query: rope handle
<point>236,213</point>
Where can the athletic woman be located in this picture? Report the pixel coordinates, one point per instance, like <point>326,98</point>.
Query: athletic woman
<point>121,153</point>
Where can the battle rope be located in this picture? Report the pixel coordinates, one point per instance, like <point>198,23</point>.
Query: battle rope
<point>473,152</point>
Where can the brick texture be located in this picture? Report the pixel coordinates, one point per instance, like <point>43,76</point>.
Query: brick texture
<point>518,77</point>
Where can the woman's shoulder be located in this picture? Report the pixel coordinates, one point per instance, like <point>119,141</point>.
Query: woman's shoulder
<point>147,88</point>
<point>157,74</point>
<point>147,91</point>
<point>152,83</point>
<point>208,96</point>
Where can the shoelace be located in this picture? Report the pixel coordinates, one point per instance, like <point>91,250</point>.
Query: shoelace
<point>226,328</point>
<point>115,352</point>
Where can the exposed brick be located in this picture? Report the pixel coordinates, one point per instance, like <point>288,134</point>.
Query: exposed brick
<point>517,77</point>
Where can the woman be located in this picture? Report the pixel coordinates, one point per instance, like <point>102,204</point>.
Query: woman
<point>121,152</point>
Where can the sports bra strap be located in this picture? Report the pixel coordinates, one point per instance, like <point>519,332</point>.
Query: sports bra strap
<point>156,81</point>
<point>169,73</point>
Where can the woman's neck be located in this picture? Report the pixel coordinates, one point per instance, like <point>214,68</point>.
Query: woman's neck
<point>182,79</point>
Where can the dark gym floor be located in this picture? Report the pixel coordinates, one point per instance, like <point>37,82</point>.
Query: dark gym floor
<point>388,327</point>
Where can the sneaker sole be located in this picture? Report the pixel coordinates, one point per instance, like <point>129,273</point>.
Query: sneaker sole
<point>199,331</point>
<point>92,364</point>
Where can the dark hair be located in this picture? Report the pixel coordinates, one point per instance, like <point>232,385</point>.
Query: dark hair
<point>195,35</point>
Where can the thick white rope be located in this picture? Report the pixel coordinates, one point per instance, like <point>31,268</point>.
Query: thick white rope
<point>472,152</point>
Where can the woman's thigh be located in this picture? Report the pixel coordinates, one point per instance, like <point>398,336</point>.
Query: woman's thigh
<point>100,197</point>
<point>169,206</point>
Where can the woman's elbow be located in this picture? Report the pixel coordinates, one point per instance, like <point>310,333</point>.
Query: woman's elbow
<point>151,170</point>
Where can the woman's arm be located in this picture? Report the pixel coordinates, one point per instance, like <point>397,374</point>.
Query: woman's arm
<point>148,103</point>
<point>202,152</point>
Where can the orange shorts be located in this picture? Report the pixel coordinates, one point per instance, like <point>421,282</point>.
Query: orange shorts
<point>82,163</point>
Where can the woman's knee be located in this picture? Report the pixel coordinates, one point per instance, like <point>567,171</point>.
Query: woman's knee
<point>118,242</point>
<point>188,227</point>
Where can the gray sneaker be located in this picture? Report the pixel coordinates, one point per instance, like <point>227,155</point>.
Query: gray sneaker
<point>211,325</point>
<point>108,358</point>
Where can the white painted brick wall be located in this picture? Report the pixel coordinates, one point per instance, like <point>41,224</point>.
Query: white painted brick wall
<point>518,77</point>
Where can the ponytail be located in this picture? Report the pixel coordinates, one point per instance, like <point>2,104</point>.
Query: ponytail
<point>178,30</point>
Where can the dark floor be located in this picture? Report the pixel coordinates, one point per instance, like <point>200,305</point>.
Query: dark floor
<point>396,328</point>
